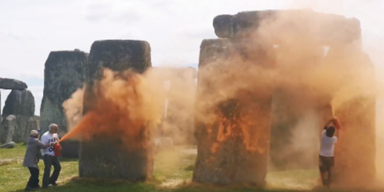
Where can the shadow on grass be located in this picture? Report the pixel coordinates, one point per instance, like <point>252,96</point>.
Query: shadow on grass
<point>62,159</point>
<point>68,159</point>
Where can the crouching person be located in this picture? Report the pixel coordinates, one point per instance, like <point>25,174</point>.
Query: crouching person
<point>31,159</point>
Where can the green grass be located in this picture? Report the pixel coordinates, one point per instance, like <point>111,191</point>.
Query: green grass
<point>17,152</point>
<point>173,173</point>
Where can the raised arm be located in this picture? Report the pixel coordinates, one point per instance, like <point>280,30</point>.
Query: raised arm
<point>337,126</point>
<point>337,123</point>
<point>329,122</point>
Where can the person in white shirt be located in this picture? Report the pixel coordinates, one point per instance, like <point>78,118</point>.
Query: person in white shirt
<point>326,157</point>
<point>49,157</point>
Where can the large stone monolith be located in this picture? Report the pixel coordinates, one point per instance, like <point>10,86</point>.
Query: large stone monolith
<point>31,125</point>
<point>107,156</point>
<point>222,25</point>
<point>63,75</point>
<point>325,29</point>
<point>9,125</point>
<point>20,103</point>
<point>233,133</point>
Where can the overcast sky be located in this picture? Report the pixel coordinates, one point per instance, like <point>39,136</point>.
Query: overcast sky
<point>29,30</point>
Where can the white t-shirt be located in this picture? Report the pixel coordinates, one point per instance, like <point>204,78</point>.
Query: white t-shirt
<point>48,138</point>
<point>327,145</point>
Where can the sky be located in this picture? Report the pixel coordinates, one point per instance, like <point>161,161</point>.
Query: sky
<point>29,30</point>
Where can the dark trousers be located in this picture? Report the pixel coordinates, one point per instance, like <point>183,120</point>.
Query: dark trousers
<point>50,161</point>
<point>33,181</point>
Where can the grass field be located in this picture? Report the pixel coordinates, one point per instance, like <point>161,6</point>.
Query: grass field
<point>173,172</point>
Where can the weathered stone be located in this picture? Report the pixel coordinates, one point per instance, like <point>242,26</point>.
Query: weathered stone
<point>6,83</point>
<point>108,157</point>
<point>9,145</point>
<point>324,29</point>
<point>70,149</point>
<point>9,125</point>
<point>222,25</point>
<point>19,102</point>
<point>21,133</point>
<point>63,75</point>
<point>233,145</point>
<point>31,125</point>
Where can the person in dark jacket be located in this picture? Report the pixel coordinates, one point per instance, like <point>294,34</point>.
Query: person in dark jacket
<point>31,159</point>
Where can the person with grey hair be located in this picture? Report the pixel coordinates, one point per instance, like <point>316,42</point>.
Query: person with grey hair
<point>50,137</point>
<point>31,159</point>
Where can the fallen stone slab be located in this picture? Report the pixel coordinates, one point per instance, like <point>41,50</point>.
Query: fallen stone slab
<point>7,83</point>
<point>8,145</point>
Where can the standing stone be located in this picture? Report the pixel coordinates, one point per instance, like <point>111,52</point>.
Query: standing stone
<point>20,103</point>
<point>70,149</point>
<point>329,28</point>
<point>106,156</point>
<point>10,125</point>
<point>31,125</point>
<point>232,134</point>
<point>63,75</point>
<point>6,83</point>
